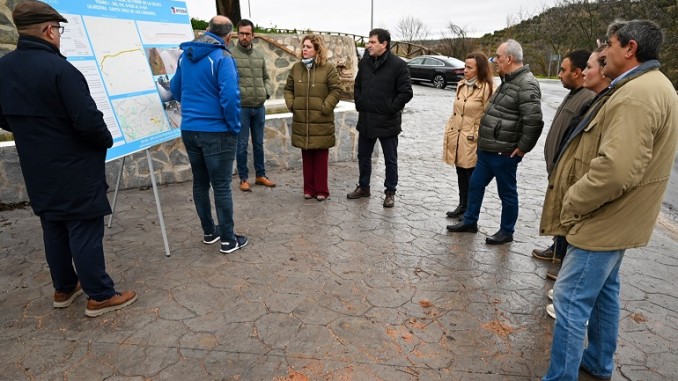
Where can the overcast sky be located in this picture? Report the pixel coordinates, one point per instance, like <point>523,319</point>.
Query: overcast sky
<point>477,17</point>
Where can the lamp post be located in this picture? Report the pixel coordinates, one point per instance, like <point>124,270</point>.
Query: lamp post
<point>249,9</point>
<point>372,15</point>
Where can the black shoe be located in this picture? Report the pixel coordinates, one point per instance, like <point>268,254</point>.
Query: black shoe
<point>499,238</point>
<point>359,192</point>
<point>463,228</point>
<point>232,245</point>
<point>458,212</point>
<point>209,239</point>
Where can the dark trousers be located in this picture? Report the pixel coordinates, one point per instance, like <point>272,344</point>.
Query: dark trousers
<point>77,242</point>
<point>504,169</point>
<point>389,146</point>
<point>315,163</point>
<point>211,155</point>
<point>463,180</point>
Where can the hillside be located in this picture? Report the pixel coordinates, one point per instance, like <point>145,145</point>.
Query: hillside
<point>575,24</point>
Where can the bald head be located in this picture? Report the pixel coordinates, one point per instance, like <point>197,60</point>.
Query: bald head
<point>221,26</point>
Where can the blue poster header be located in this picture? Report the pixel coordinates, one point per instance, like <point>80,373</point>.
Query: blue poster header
<point>142,10</point>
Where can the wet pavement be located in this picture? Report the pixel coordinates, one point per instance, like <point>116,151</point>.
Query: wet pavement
<point>334,290</point>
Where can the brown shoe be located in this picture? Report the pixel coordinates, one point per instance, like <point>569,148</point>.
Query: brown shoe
<point>553,273</point>
<point>245,186</point>
<point>65,299</point>
<point>359,192</point>
<point>546,254</point>
<point>116,302</point>
<point>389,200</point>
<point>263,180</point>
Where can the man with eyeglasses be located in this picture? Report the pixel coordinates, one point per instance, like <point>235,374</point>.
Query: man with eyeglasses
<point>61,139</point>
<point>255,89</point>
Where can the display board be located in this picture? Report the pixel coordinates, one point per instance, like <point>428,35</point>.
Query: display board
<point>128,51</point>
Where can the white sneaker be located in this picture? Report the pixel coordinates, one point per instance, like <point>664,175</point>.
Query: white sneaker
<point>551,310</point>
<point>550,294</point>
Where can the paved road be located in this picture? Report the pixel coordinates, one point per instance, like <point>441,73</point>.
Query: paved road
<point>671,197</point>
<point>338,290</point>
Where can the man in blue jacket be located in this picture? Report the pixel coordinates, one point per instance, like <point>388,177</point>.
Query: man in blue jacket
<point>61,139</point>
<point>206,84</point>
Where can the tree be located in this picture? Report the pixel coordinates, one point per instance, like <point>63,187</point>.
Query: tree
<point>230,9</point>
<point>577,24</point>
<point>457,43</point>
<point>198,24</point>
<point>411,29</point>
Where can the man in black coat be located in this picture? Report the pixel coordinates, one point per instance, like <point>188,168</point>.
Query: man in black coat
<point>382,88</point>
<point>61,139</point>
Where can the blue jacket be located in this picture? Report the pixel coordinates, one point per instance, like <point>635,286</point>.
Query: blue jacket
<point>60,135</point>
<point>206,84</point>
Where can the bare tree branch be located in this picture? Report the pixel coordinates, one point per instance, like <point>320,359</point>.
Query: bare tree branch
<point>411,29</point>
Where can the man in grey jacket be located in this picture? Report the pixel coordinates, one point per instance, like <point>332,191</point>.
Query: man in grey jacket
<point>510,128</point>
<point>255,89</point>
<point>572,77</point>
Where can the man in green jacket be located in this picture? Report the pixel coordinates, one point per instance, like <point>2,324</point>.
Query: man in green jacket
<point>255,88</point>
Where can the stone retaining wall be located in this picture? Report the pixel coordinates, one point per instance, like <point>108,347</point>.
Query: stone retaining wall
<point>8,34</point>
<point>170,161</point>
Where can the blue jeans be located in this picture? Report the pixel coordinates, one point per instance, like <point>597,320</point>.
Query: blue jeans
<point>389,146</point>
<point>79,243</point>
<point>587,289</point>
<point>503,168</point>
<point>211,155</point>
<point>252,120</point>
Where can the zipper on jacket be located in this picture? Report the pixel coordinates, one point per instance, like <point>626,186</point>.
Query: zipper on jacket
<point>308,96</point>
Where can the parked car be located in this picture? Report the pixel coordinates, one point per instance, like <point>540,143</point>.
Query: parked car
<point>439,70</point>
<point>360,51</point>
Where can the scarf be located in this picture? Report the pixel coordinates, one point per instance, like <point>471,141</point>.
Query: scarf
<point>308,62</point>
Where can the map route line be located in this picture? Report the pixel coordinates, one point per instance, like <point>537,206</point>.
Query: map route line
<point>101,65</point>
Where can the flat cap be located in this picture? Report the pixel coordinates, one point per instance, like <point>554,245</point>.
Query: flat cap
<point>31,12</point>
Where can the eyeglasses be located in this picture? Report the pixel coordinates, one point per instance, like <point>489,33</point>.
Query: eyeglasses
<point>60,28</point>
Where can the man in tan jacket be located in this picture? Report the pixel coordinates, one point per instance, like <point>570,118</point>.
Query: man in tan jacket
<point>605,195</point>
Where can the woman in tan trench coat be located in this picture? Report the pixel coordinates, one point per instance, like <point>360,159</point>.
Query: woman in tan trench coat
<point>461,133</point>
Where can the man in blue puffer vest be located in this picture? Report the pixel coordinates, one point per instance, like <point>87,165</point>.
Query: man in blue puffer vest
<point>206,84</point>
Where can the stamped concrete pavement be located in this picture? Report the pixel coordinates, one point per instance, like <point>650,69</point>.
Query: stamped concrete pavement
<point>334,290</point>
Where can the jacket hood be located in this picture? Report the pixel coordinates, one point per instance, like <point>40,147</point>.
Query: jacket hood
<point>202,46</point>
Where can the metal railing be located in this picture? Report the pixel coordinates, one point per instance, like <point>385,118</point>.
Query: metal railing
<point>401,48</point>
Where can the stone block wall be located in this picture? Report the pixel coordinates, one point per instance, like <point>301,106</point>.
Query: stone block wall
<point>283,51</point>
<point>8,34</point>
<point>170,162</point>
